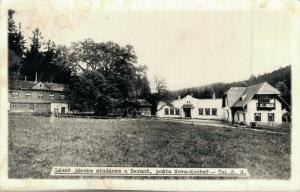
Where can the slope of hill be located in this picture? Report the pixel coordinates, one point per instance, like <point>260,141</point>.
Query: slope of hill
<point>280,78</point>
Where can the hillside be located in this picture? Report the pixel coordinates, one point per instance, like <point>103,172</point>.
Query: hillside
<point>280,78</point>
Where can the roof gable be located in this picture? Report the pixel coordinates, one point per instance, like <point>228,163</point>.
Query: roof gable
<point>266,88</point>
<point>40,86</point>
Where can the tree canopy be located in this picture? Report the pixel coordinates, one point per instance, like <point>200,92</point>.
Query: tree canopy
<point>111,70</point>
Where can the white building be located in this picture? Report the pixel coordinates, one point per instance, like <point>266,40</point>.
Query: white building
<point>260,104</point>
<point>190,107</point>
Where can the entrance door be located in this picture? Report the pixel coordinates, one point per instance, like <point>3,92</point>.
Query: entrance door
<point>187,112</point>
<point>63,110</point>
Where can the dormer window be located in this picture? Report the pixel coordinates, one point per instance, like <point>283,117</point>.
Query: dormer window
<point>241,98</point>
<point>40,85</point>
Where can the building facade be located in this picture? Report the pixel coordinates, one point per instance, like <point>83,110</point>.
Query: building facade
<point>37,97</point>
<point>190,107</point>
<point>259,104</point>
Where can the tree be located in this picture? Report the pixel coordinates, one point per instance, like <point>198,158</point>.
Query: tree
<point>160,87</point>
<point>16,46</point>
<point>91,92</point>
<point>33,62</point>
<point>117,66</point>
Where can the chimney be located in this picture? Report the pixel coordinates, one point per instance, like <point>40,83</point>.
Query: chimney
<point>36,77</point>
<point>179,97</point>
<point>25,78</point>
<point>213,96</point>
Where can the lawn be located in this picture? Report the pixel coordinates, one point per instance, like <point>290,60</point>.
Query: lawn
<point>37,144</point>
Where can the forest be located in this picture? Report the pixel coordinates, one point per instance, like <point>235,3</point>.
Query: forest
<point>280,78</point>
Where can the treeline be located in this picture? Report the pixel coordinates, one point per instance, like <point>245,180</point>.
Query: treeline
<point>101,76</point>
<point>280,78</point>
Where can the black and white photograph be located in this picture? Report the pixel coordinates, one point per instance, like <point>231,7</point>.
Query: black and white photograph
<point>166,91</point>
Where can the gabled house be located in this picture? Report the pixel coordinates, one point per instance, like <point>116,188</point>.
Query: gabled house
<point>131,108</point>
<point>259,104</point>
<point>37,97</point>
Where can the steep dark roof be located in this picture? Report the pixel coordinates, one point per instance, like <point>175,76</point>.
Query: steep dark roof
<point>28,85</point>
<point>56,86</point>
<point>143,103</point>
<point>137,103</point>
<point>235,90</point>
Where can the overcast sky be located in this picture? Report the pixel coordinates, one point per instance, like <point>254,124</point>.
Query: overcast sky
<point>187,43</point>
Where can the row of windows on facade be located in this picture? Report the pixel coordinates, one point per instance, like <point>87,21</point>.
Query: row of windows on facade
<point>262,99</point>
<point>257,117</point>
<point>27,105</point>
<point>28,95</point>
<point>201,111</point>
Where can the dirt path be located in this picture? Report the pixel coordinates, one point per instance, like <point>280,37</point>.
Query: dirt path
<point>216,123</point>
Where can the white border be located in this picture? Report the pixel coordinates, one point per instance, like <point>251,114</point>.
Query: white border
<point>170,185</point>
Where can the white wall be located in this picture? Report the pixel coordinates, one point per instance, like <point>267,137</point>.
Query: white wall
<point>59,106</point>
<point>197,103</point>
<point>252,108</point>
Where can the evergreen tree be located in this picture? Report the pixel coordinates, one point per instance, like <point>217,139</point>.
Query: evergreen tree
<point>16,46</point>
<point>33,62</point>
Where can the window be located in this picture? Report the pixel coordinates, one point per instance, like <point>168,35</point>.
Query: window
<point>207,111</point>
<point>56,110</point>
<point>171,111</point>
<point>28,95</point>
<point>238,116</point>
<point>244,116</point>
<point>51,95</point>
<point>40,95</point>
<point>271,116</point>
<point>200,111</point>
<point>257,116</point>
<point>177,111</point>
<point>62,96</point>
<point>15,95</point>
<point>214,111</point>
<point>166,111</point>
<point>264,99</point>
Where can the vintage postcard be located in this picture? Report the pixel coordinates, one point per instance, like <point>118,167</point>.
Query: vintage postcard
<point>183,95</point>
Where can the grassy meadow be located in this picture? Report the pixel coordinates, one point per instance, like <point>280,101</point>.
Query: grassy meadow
<point>37,144</point>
